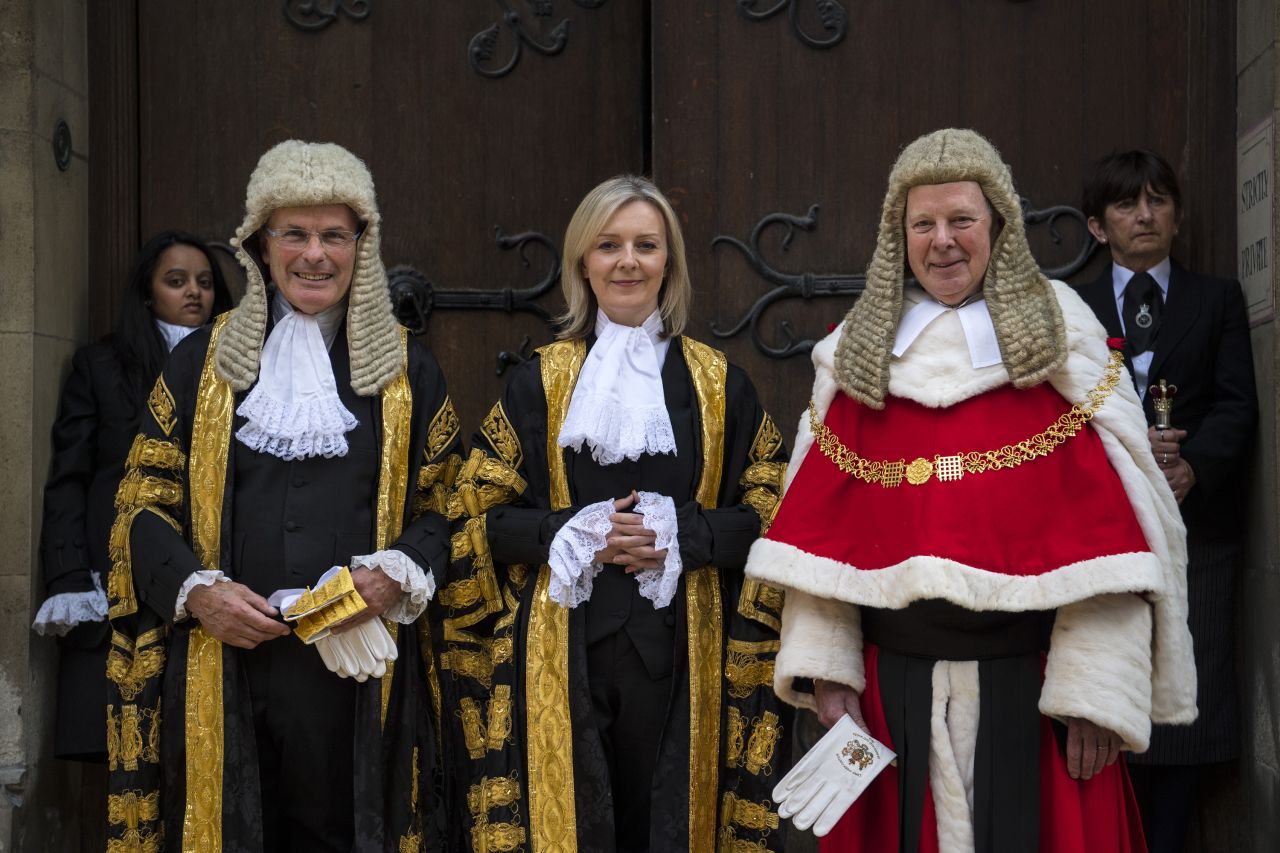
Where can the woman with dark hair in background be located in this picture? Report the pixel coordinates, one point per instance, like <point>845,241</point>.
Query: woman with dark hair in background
<point>174,288</point>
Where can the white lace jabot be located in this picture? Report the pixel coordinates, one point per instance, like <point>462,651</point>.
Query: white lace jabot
<point>618,407</point>
<point>294,411</point>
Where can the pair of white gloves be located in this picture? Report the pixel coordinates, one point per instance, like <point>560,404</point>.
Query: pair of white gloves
<point>825,782</point>
<point>358,652</point>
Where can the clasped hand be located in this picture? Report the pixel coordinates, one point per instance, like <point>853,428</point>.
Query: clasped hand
<point>629,543</point>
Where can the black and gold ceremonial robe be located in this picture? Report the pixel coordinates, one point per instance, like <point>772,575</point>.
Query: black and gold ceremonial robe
<point>529,770</point>
<point>180,723</point>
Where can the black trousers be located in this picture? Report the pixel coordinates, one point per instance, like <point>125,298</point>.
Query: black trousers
<point>304,722</point>
<point>1166,795</point>
<point>629,711</point>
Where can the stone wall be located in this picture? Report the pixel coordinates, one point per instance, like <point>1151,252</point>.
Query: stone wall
<point>1258,23</point>
<point>44,283</point>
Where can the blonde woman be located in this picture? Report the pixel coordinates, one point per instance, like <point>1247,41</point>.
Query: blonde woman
<point>608,666</point>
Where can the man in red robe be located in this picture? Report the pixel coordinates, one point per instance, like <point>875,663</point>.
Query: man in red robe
<point>983,565</point>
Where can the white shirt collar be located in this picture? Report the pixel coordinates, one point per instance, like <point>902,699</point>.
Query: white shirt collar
<point>1120,278</point>
<point>172,333</point>
<point>975,320</point>
<point>652,327</point>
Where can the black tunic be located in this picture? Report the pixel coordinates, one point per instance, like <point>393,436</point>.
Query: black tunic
<point>97,419</point>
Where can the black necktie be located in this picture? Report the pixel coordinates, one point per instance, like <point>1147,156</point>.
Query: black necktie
<point>1142,308</point>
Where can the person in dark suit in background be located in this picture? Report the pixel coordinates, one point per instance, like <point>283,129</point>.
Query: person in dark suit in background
<point>174,288</point>
<point>1192,331</point>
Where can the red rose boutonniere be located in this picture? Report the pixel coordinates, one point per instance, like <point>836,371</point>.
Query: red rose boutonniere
<point>1115,343</point>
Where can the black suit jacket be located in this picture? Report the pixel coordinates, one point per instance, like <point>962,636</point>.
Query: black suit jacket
<point>97,419</point>
<point>1203,348</point>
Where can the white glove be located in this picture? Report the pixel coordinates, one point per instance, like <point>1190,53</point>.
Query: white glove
<point>826,781</point>
<point>359,652</point>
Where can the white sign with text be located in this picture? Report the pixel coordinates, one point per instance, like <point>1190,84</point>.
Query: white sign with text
<point>1255,186</point>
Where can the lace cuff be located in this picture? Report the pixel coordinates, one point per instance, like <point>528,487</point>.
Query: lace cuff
<point>573,554</point>
<point>418,585</point>
<point>62,612</point>
<point>204,577</point>
<point>659,585</point>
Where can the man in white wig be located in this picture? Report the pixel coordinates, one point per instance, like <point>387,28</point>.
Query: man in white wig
<point>305,431</point>
<point>983,565</point>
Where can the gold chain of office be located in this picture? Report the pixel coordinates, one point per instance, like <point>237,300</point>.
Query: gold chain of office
<point>890,474</point>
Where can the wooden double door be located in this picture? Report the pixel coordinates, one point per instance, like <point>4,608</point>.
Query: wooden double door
<point>771,123</point>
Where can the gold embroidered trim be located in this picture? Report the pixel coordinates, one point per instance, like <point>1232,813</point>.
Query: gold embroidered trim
<point>472,726</point>
<point>411,841</point>
<point>761,602</point>
<point>483,483</point>
<point>499,717</point>
<point>757,816</point>
<point>953,467</point>
<point>552,811</point>
<point>130,665</point>
<point>435,481</point>
<point>130,738</point>
<point>151,752</point>
<point>735,738</point>
<point>160,402</point>
<point>744,670</point>
<point>705,636</point>
<point>139,490</point>
<point>393,480</point>
<point>443,429</point>
<point>477,664</point>
<point>137,841</point>
<point>708,369</point>
<point>113,738</point>
<point>497,837</point>
<point>202,822</point>
<point>471,541</point>
<point>768,441</point>
<point>210,441</point>
<point>133,808</point>
<point>762,485</point>
<point>764,737</point>
<point>493,793</point>
<point>154,453</point>
<point>496,428</point>
<point>731,843</point>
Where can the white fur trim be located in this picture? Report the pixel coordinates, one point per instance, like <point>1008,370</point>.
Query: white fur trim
<point>821,638</point>
<point>1099,666</point>
<point>1122,428</point>
<point>953,737</point>
<point>937,370</point>
<point>924,577</point>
